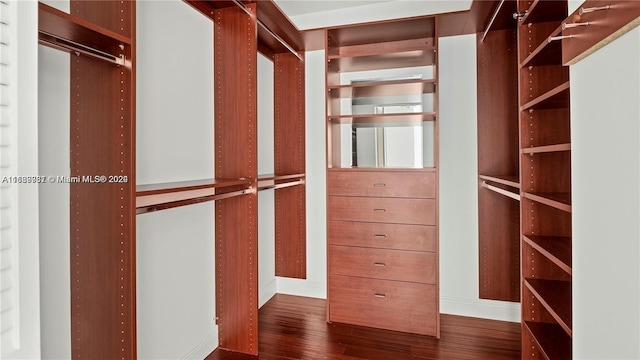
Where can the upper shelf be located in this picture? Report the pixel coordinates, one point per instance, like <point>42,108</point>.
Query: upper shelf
<point>60,25</point>
<point>154,197</point>
<point>380,32</point>
<point>384,118</point>
<point>382,88</point>
<point>544,11</point>
<point>377,58</point>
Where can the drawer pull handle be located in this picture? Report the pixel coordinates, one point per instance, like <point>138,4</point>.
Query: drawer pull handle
<point>380,296</point>
<point>379,264</point>
<point>379,184</point>
<point>380,236</point>
<point>592,9</point>
<point>379,210</point>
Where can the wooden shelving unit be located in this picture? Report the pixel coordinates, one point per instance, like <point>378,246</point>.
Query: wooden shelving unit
<point>382,219</point>
<point>545,178</point>
<point>498,162</point>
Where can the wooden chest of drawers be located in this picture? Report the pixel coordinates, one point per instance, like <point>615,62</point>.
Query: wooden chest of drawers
<point>382,249</point>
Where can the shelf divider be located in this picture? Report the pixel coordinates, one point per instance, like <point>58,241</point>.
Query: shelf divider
<point>552,294</point>
<point>561,201</point>
<point>556,248</point>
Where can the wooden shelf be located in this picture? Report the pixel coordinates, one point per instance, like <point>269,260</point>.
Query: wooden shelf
<point>377,59</point>
<point>556,248</point>
<point>385,32</point>
<point>561,201</point>
<point>547,53</point>
<point>553,342</point>
<point>555,296</point>
<point>556,98</point>
<point>153,197</point>
<point>383,88</point>
<point>384,118</point>
<point>509,180</point>
<point>545,11</point>
<point>53,23</point>
<point>547,149</point>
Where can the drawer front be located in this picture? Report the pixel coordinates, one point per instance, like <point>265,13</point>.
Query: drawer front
<point>385,210</point>
<point>414,266</point>
<point>383,184</point>
<point>381,235</point>
<point>385,304</point>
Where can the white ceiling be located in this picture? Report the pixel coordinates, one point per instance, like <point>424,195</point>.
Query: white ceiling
<point>311,14</point>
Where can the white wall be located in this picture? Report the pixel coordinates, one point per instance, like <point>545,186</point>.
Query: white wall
<point>266,201</point>
<point>459,292</point>
<point>605,136</point>
<point>22,138</point>
<point>175,248</point>
<point>316,282</point>
<point>54,202</point>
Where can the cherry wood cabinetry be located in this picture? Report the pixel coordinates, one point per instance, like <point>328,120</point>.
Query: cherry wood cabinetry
<point>382,249</point>
<point>382,216</point>
<point>524,160</point>
<point>545,178</point>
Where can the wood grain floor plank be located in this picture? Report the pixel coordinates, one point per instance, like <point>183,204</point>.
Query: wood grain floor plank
<point>294,328</point>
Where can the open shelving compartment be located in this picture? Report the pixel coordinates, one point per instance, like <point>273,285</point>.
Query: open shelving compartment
<point>545,179</point>
<point>498,157</point>
<point>381,85</point>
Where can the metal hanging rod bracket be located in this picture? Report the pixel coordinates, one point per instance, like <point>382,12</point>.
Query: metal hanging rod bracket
<point>274,35</point>
<point>574,25</point>
<point>556,38</point>
<point>584,10</point>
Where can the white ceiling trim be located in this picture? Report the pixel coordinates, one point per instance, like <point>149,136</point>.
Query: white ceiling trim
<point>355,11</point>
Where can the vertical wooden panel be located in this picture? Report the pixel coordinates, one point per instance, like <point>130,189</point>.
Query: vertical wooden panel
<point>289,132</point>
<point>102,214</point>
<point>498,216</point>
<point>103,306</point>
<point>235,66</point>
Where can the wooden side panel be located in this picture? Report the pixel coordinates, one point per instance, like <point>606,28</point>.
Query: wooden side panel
<point>289,144</point>
<point>235,66</point>
<point>102,153</point>
<point>498,149</point>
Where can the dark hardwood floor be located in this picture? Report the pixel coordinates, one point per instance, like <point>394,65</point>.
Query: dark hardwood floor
<point>293,327</point>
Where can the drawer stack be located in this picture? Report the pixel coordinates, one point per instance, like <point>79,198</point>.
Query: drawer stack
<point>382,249</point>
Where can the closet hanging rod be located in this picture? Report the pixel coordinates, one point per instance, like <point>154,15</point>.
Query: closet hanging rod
<point>189,201</point>
<point>493,19</point>
<point>60,43</point>
<point>283,185</point>
<point>501,191</point>
<point>262,25</point>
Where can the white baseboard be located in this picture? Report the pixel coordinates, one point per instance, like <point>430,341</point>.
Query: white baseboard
<point>205,348</point>
<point>486,309</point>
<point>267,292</point>
<point>299,287</point>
